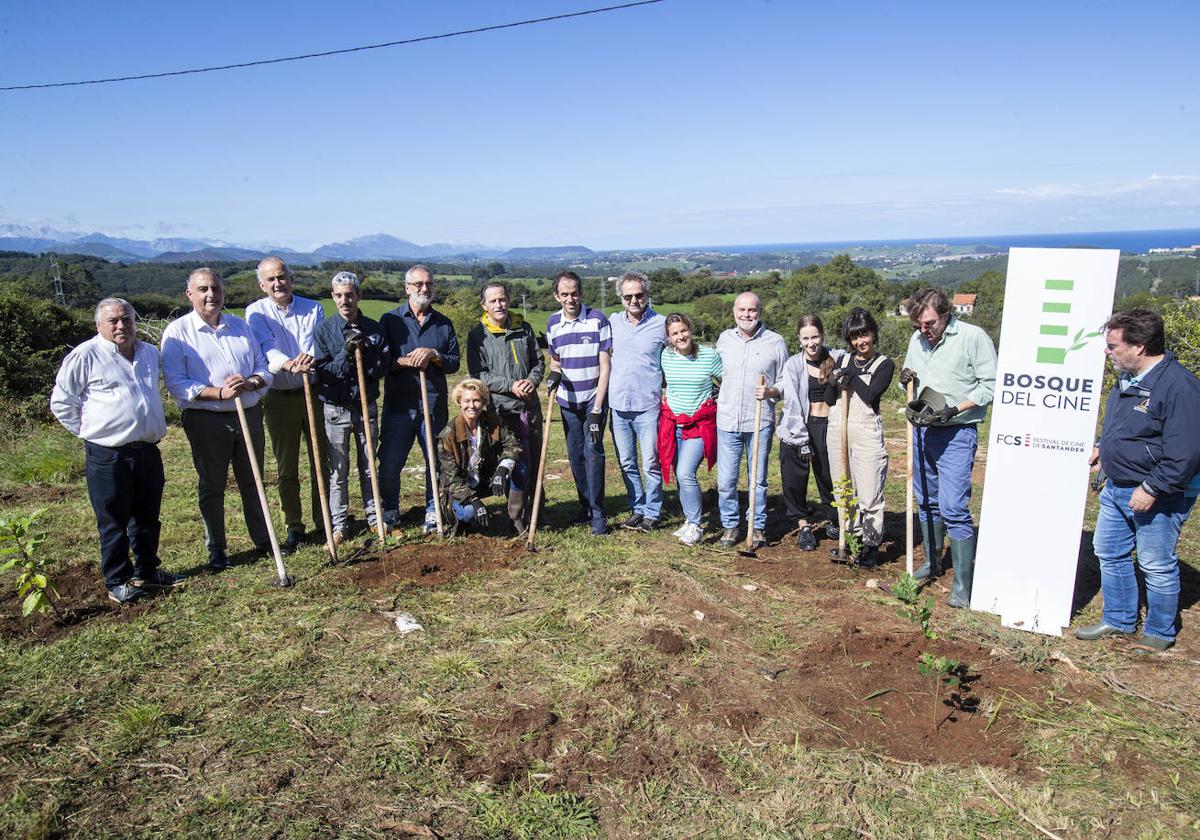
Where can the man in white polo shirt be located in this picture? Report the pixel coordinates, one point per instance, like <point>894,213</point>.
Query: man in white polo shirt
<point>283,323</point>
<point>106,393</point>
<point>580,346</point>
<point>209,358</point>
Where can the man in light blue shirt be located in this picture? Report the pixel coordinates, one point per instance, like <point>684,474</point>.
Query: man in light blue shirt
<point>634,394</point>
<point>210,359</point>
<point>283,323</point>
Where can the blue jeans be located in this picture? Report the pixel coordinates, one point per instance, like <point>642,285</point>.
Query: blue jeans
<point>632,430</point>
<point>587,461</point>
<point>397,434</point>
<point>731,446</point>
<point>688,455</point>
<point>942,460</point>
<point>466,513</point>
<point>1154,534</point>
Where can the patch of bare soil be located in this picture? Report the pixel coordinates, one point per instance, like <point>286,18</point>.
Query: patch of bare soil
<point>36,493</point>
<point>81,598</point>
<point>433,563</point>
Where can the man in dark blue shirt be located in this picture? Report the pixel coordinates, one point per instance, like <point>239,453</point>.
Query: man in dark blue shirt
<point>420,338</point>
<point>335,341</point>
<point>1150,450</point>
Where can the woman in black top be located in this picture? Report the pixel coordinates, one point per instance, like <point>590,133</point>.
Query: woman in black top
<point>864,376</point>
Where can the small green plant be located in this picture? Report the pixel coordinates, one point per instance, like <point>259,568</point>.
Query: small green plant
<point>18,543</point>
<point>943,671</point>
<point>845,500</point>
<point>907,591</point>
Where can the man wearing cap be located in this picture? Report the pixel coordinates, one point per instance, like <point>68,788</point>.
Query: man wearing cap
<point>503,353</point>
<point>953,366</point>
<point>106,393</point>
<point>210,360</point>
<point>634,393</point>
<point>283,324</point>
<point>336,341</point>
<point>1150,450</point>
<point>421,339</point>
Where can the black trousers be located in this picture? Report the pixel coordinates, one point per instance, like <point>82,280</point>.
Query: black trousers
<point>216,441</point>
<point>125,486</point>
<point>794,474</point>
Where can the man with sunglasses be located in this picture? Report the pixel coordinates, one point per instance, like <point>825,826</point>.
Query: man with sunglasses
<point>634,393</point>
<point>420,338</point>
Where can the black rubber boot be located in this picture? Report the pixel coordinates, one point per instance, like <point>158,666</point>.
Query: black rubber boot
<point>962,554</point>
<point>931,538</point>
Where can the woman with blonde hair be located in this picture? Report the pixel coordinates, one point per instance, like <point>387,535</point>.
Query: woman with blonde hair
<point>477,458</point>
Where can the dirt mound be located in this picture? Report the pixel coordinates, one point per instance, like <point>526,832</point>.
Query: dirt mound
<point>433,563</point>
<point>867,691</point>
<point>81,598</point>
<point>666,641</point>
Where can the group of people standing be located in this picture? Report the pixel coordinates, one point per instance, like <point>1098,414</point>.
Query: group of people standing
<point>672,404</point>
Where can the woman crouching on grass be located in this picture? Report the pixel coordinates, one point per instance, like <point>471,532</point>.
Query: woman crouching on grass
<point>476,459</point>
<point>808,389</point>
<point>865,376</point>
<point>687,419</point>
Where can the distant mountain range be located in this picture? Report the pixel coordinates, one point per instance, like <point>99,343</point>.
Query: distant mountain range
<point>379,246</point>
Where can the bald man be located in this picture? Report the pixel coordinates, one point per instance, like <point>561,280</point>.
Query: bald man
<point>748,351</point>
<point>283,323</point>
<point>209,359</point>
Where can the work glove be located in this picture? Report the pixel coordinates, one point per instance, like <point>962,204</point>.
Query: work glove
<point>355,340</point>
<point>595,428</point>
<point>1099,478</point>
<point>805,453</point>
<point>481,513</point>
<point>907,375</point>
<point>843,376</point>
<point>553,380</point>
<point>945,414</point>
<point>500,482</point>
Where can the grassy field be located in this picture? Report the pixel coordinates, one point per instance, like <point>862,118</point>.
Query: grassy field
<point>602,687</point>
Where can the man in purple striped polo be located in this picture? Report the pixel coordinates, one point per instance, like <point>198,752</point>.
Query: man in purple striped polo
<point>580,348</point>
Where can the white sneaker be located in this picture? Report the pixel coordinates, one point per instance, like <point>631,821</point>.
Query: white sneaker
<point>692,534</point>
<point>678,532</point>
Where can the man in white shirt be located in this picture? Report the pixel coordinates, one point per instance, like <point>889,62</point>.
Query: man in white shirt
<point>209,359</point>
<point>106,393</point>
<point>283,325</point>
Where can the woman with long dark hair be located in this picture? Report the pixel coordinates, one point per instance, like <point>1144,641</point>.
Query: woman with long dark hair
<point>687,419</point>
<point>807,389</point>
<point>863,376</point>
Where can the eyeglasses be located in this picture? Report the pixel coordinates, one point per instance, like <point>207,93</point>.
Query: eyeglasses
<point>633,297</point>
<point>420,284</point>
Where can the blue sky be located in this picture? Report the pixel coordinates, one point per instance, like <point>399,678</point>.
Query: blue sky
<point>686,122</point>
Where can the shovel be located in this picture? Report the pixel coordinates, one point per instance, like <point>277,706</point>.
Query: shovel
<point>541,473</point>
<point>908,493</point>
<point>749,551</point>
<point>366,418</point>
<point>431,457</point>
<point>284,579</point>
<point>321,492</point>
<point>843,517</point>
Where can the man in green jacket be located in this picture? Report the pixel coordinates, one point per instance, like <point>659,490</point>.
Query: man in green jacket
<point>503,352</point>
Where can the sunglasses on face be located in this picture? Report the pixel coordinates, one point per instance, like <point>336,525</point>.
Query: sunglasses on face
<point>633,297</point>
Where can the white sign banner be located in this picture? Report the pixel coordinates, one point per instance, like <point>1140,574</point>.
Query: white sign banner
<point>1048,384</point>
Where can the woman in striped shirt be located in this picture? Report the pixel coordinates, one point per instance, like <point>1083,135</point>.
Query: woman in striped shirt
<point>687,422</point>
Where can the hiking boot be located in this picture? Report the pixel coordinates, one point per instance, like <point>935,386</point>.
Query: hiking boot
<point>646,525</point>
<point>729,538</point>
<point>832,531</point>
<point>690,534</point>
<point>158,579</point>
<point>125,593</point>
<point>758,539</point>
<point>1092,632</point>
<point>633,523</point>
<point>867,557</point>
<point>805,541</point>
<point>339,537</point>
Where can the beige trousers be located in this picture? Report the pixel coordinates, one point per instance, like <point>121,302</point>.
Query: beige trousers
<point>868,463</point>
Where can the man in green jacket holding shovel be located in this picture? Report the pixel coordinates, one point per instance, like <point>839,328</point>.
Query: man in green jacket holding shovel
<point>503,352</point>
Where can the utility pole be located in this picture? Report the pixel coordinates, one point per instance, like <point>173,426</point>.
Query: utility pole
<point>60,295</point>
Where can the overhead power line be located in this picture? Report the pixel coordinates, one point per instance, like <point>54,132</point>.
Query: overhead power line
<point>306,56</point>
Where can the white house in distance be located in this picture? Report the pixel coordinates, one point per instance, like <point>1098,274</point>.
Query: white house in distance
<point>963,304</point>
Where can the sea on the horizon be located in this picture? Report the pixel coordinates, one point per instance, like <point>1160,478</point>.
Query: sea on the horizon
<point>1128,241</point>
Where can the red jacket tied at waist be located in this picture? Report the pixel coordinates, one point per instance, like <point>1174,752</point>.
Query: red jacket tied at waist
<point>702,423</point>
